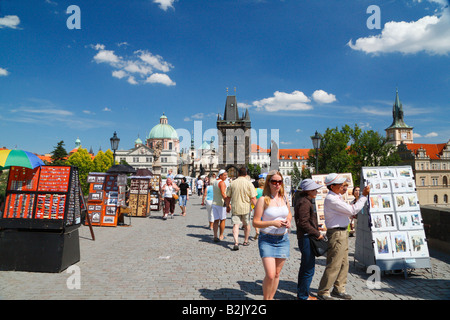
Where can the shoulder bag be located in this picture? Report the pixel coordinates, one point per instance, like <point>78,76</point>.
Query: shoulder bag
<point>318,247</point>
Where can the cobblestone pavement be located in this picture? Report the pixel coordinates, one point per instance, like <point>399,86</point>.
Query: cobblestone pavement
<point>177,259</point>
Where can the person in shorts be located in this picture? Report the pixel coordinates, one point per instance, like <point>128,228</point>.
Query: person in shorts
<point>218,205</point>
<point>241,194</point>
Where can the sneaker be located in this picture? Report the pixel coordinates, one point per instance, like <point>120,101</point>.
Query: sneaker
<point>342,295</point>
<point>312,298</point>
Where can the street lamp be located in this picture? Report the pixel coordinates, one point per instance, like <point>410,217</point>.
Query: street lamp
<point>316,144</point>
<point>114,145</point>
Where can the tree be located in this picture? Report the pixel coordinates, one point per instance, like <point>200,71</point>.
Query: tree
<point>350,149</point>
<point>254,170</point>
<point>82,160</point>
<point>296,176</point>
<point>370,149</point>
<point>59,154</point>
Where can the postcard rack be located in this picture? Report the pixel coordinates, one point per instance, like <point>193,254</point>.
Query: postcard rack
<point>391,235</point>
<point>106,195</point>
<point>47,197</point>
<point>40,221</point>
<point>140,197</point>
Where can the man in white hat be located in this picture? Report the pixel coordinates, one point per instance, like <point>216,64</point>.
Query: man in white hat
<point>218,204</point>
<point>337,213</point>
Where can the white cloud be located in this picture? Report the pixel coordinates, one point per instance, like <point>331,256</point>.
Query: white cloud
<point>430,34</point>
<point>137,69</point>
<point>107,56</point>
<point>160,78</point>
<point>296,100</point>
<point>106,109</point>
<point>428,135</point>
<point>321,96</point>
<point>9,22</point>
<point>165,4</point>
<point>3,72</point>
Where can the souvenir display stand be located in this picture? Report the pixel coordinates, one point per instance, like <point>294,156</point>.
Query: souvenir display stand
<point>40,221</point>
<point>140,196</point>
<point>155,185</point>
<point>322,193</point>
<point>106,195</point>
<point>391,235</point>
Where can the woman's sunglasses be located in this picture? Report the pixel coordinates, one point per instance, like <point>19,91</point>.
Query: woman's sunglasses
<point>275,182</point>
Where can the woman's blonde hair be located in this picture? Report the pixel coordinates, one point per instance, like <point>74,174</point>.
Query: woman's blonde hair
<point>266,191</point>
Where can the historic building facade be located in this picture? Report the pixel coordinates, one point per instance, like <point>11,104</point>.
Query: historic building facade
<point>142,155</point>
<point>430,162</point>
<point>234,132</point>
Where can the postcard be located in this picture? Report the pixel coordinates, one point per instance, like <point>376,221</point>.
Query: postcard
<point>418,243</point>
<point>371,173</point>
<point>400,244</point>
<point>405,172</point>
<point>388,173</point>
<point>382,245</point>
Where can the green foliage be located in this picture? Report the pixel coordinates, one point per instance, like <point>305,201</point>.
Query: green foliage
<point>296,176</point>
<point>350,149</point>
<point>59,154</point>
<point>82,160</point>
<point>254,171</point>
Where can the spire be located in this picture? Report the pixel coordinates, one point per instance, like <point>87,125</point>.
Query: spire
<point>397,113</point>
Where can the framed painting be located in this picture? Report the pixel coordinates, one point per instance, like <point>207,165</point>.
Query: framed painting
<point>382,245</point>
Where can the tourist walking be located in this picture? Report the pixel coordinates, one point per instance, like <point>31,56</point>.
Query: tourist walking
<point>240,195</point>
<point>307,226</point>
<point>199,186</point>
<point>184,196</point>
<point>337,213</point>
<point>273,217</point>
<point>218,205</point>
<point>168,190</point>
<point>207,200</point>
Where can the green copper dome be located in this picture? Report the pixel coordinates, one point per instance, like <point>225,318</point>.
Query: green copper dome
<point>163,130</point>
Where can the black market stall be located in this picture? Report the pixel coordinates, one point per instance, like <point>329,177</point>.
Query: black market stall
<point>106,195</point>
<point>40,221</point>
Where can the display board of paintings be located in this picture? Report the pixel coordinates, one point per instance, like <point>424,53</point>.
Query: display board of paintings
<point>139,200</point>
<point>106,194</point>
<point>155,185</point>
<point>396,222</point>
<point>322,193</point>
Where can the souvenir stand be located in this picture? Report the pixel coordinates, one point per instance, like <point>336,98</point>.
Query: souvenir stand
<point>391,235</point>
<point>155,185</point>
<point>106,194</point>
<point>39,225</point>
<point>322,193</point>
<point>139,200</point>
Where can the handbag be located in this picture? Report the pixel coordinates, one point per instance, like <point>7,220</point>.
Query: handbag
<point>175,196</point>
<point>319,247</point>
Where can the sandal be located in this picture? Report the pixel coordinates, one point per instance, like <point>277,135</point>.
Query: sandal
<point>245,244</point>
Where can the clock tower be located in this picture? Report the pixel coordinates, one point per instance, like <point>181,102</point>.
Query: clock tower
<point>398,131</point>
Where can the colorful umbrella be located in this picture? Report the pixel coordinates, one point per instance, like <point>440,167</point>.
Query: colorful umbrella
<point>19,158</point>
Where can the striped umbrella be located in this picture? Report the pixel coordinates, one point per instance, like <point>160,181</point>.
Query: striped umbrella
<point>19,158</point>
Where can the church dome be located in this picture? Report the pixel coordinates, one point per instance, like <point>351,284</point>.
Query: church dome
<point>163,130</point>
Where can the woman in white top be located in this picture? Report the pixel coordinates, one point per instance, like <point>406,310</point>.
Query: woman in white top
<point>169,202</point>
<point>273,218</point>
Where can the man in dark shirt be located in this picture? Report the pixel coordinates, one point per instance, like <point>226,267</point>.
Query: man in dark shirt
<point>184,195</point>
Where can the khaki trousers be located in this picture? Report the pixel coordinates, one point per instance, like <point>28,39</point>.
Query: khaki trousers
<point>336,269</point>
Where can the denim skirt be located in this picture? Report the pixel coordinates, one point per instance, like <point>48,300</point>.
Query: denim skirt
<point>273,246</point>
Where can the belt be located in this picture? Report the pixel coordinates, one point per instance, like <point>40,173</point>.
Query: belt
<point>339,228</point>
<point>272,234</point>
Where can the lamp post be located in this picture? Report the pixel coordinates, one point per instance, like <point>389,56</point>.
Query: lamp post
<point>114,145</point>
<point>316,144</point>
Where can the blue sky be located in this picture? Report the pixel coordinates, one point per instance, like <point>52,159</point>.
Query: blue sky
<point>298,66</point>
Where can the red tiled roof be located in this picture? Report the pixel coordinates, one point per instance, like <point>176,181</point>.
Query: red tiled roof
<point>434,151</point>
<point>294,153</point>
<point>256,148</point>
